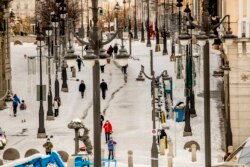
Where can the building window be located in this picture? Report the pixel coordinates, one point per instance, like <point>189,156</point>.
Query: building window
<point>26,6</point>
<point>18,6</point>
<point>243,31</point>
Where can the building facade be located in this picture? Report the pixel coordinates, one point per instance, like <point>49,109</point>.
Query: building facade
<point>23,9</point>
<point>5,68</point>
<point>238,55</point>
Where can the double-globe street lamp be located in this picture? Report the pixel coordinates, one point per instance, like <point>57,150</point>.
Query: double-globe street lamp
<point>96,57</point>
<point>41,129</point>
<point>50,115</point>
<point>153,78</point>
<point>142,21</point>
<point>203,41</point>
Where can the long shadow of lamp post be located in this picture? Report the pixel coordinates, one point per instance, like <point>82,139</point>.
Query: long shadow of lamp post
<point>41,129</point>
<point>50,115</point>
<point>203,41</point>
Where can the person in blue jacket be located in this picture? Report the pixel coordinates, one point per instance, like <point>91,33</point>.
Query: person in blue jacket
<point>15,102</point>
<point>111,145</point>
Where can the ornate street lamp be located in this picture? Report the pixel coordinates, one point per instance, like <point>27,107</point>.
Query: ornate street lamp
<point>135,23</point>
<point>55,24</point>
<point>206,27</point>
<point>142,22</point>
<point>41,130</point>
<point>165,50</point>
<point>157,46</point>
<point>154,92</point>
<point>50,115</point>
<point>63,16</point>
<point>148,29</point>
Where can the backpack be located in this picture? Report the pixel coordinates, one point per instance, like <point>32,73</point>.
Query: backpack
<point>110,144</point>
<point>22,107</point>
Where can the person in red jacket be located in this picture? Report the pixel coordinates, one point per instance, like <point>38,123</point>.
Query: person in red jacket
<point>108,130</point>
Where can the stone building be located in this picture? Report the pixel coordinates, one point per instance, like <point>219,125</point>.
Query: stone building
<point>238,55</point>
<point>5,68</point>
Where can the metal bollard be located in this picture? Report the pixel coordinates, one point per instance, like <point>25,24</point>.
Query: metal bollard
<point>170,151</point>
<point>73,72</point>
<point>162,147</point>
<point>170,161</point>
<point>130,158</point>
<point>102,156</point>
<point>193,150</point>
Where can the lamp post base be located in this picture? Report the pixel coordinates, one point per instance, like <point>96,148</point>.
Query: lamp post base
<point>164,52</point>
<point>187,134</point>
<point>41,135</point>
<point>65,89</point>
<point>157,48</point>
<point>193,115</point>
<point>50,118</point>
<point>148,44</point>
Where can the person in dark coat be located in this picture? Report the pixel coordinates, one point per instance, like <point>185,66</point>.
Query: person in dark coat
<point>48,147</point>
<point>115,48</point>
<point>79,62</point>
<point>110,50</point>
<point>104,88</point>
<point>102,68</point>
<point>15,102</point>
<point>124,69</point>
<point>82,88</point>
<point>111,146</point>
<point>102,119</point>
<point>162,135</point>
<point>86,47</point>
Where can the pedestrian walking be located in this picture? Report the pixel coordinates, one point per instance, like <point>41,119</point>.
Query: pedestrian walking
<point>15,102</point>
<point>108,130</point>
<point>48,147</point>
<point>104,88</point>
<point>111,145</point>
<point>82,88</point>
<point>115,48</point>
<point>86,47</point>
<point>56,105</point>
<point>79,62</point>
<point>102,119</point>
<point>124,69</point>
<point>102,68</point>
<point>110,50</point>
<point>23,108</point>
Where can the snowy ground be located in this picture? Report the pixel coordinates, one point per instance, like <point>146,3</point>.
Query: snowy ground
<point>128,107</point>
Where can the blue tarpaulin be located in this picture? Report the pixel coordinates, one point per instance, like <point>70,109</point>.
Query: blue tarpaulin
<point>53,159</point>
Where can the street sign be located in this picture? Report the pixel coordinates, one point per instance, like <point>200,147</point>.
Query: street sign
<point>154,132</point>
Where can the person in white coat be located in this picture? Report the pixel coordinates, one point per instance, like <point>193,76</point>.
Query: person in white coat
<point>56,105</point>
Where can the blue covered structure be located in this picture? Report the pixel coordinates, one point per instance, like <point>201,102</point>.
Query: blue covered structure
<point>39,160</point>
<point>179,112</point>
